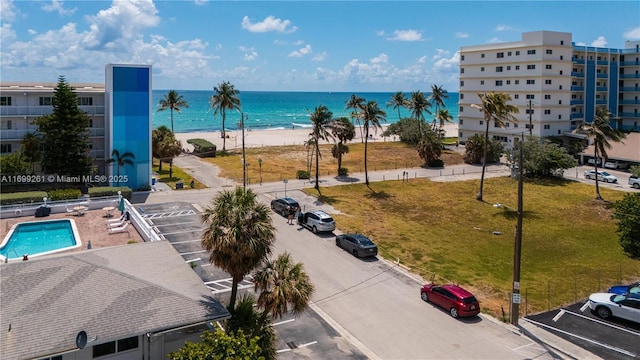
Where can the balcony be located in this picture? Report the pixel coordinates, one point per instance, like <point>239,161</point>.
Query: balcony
<point>576,116</point>
<point>629,88</point>
<point>601,102</point>
<point>577,102</point>
<point>577,88</point>
<point>629,76</point>
<point>578,61</point>
<point>96,132</point>
<point>629,115</point>
<point>577,74</point>
<point>629,102</point>
<point>602,76</point>
<point>18,134</point>
<point>97,154</point>
<point>44,110</point>
<point>630,63</point>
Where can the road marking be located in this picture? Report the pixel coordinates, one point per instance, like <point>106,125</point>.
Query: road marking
<point>169,214</point>
<point>297,347</point>
<point>180,223</point>
<point>225,285</point>
<point>193,252</point>
<point>584,307</point>
<point>558,316</point>
<point>602,322</point>
<point>186,241</point>
<point>622,351</point>
<point>283,322</point>
<point>283,350</point>
<point>307,344</point>
<point>523,346</point>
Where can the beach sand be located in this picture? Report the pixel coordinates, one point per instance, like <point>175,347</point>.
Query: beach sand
<point>279,137</point>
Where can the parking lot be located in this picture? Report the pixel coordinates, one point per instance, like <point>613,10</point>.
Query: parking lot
<point>298,337</point>
<point>608,339</point>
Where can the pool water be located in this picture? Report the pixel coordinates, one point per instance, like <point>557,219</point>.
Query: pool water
<point>39,238</point>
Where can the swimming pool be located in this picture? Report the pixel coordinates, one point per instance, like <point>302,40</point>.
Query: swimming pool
<point>37,238</point>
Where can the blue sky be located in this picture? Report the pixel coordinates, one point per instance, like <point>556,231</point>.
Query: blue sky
<point>286,45</point>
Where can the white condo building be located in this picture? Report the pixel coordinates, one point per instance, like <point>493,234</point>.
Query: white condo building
<point>556,84</point>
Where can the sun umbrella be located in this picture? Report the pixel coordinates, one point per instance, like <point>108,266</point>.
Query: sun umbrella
<point>121,205</point>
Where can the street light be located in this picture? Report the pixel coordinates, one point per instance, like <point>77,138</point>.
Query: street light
<point>517,251</point>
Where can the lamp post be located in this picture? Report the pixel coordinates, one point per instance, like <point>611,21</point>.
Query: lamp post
<point>260,166</point>
<point>517,251</point>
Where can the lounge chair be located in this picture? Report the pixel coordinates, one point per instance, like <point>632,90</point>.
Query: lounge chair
<point>120,219</point>
<point>119,229</point>
<point>118,224</point>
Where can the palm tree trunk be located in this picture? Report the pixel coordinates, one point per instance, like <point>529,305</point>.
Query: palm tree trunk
<point>170,169</point>
<point>317,166</point>
<point>595,164</point>
<point>339,157</point>
<point>234,293</point>
<point>160,166</point>
<point>484,160</point>
<point>171,120</point>
<point>366,142</point>
<point>224,134</point>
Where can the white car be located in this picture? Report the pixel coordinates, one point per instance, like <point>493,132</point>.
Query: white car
<point>621,306</point>
<point>602,176</point>
<point>316,221</point>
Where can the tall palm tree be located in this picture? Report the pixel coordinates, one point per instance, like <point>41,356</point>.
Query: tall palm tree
<point>602,133</point>
<point>121,160</point>
<point>372,116</point>
<point>238,234</point>
<point>343,130</point>
<point>169,148</point>
<point>418,105</point>
<point>283,286</point>
<point>398,101</point>
<point>355,102</point>
<point>438,94</point>
<point>225,98</point>
<point>430,147</point>
<point>494,107</point>
<point>253,322</point>
<point>320,121</point>
<point>172,101</point>
<point>157,137</point>
<point>443,116</point>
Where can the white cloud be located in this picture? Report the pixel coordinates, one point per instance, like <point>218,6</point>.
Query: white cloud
<point>270,23</point>
<point>306,50</point>
<point>494,40</point>
<point>8,12</point>
<point>250,54</point>
<point>503,27</point>
<point>7,35</point>
<point>406,35</point>
<point>580,43</point>
<point>382,58</point>
<point>461,35</point>
<point>632,34</point>
<point>599,42</point>
<point>200,2</point>
<point>320,57</point>
<point>56,6</point>
<point>380,33</point>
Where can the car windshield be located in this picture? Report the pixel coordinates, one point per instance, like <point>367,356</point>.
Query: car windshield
<point>366,242</point>
<point>327,220</point>
<point>605,173</point>
<point>617,298</point>
<point>470,300</point>
<point>634,290</point>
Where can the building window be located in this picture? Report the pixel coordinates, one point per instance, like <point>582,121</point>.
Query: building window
<point>508,82</point>
<point>547,127</point>
<point>560,72</point>
<point>461,83</point>
<point>547,112</point>
<point>461,121</point>
<point>128,344</point>
<point>5,148</point>
<point>530,96</point>
<point>516,96</point>
<point>528,126</point>
<point>508,53</point>
<point>498,82</point>
<point>560,117</point>
<point>481,82</point>
<point>85,101</point>
<point>517,52</point>
<point>517,82</point>
<point>531,67</point>
<point>104,349</point>
<point>531,82</point>
<point>529,111</point>
<point>531,52</point>
<point>547,97</point>
<point>45,101</point>
<point>461,109</point>
<point>547,82</point>
<point>462,58</point>
<point>481,122</point>
<point>461,70</point>
<point>461,96</point>
<point>561,42</point>
<point>482,69</point>
<point>482,56</point>
<point>560,87</point>
<point>561,57</point>
<point>517,67</point>
<point>508,67</point>
<point>549,51</point>
<point>500,55</point>
<point>6,125</point>
<point>515,125</point>
<point>559,102</point>
<point>548,66</point>
<point>498,68</point>
<point>507,124</point>
<point>5,100</point>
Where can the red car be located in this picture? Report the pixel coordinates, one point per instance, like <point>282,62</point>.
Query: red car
<point>458,301</point>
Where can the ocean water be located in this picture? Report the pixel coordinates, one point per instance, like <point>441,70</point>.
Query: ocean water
<point>266,110</point>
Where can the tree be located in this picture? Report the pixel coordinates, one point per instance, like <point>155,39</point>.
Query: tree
<point>474,150</point>
<point>121,160</point>
<point>283,286</point>
<point>220,346</point>
<point>494,107</point>
<point>355,102</point>
<point>65,138</point>
<point>398,101</point>
<point>372,116</point>
<point>157,138</point>
<point>442,117</point>
<point>172,101</point>
<point>635,170</point>
<point>418,105</point>
<point>225,98</point>
<point>406,129</point>
<point>169,148</point>
<point>430,147</point>
<point>14,164</point>
<point>627,212</point>
<point>541,158</point>
<point>601,132</point>
<point>343,130</point>
<point>320,122</point>
<point>238,234</point>
<point>438,94</point>
<point>32,149</point>
<point>252,322</point>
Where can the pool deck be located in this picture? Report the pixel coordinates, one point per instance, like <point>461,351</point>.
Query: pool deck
<point>92,226</point>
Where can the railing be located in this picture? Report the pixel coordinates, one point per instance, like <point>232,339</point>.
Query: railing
<point>628,63</point>
<point>576,102</point>
<point>602,76</point>
<point>577,88</point>
<point>61,206</point>
<point>628,114</point>
<point>576,116</point>
<point>629,102</point>
<point>630,88</point>
<point>44,110</point>
<point>629,76</point>
<point>577,74</point>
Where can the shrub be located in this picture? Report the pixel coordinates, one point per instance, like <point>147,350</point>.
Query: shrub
<point>303,174</point>
<point>22,197</point>
<point>343,171</point>
<point>64,194</point>
<point>436,163</point>
<point>110,191</point>
<point>202,147</point>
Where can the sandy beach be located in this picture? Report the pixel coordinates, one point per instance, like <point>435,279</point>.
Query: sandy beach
<point>279,137</point>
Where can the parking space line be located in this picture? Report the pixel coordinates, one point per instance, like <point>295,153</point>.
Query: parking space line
<point>283,350</point>
<point>297,347</point>
<point>558,316</point>
<point>178,232</point>
<point>193,252</point>
<point>224,285</point>
<point>523,346</point>
<point>602,322</point>
<point>307,344</point>
<point>584,307</point>
<point>186,241</point>
<point>622,351</point>
<point>283,322</point>
<point>180,223</point>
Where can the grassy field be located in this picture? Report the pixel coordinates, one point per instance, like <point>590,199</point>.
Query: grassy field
<point>177,175</point>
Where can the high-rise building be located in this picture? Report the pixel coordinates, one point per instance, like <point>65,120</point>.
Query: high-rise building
<point>556,84</point>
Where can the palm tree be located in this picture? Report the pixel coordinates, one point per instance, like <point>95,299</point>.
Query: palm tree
<point>283,286</point>
<point>172,101</point>
<point>343,130</point>
<point>251,321</point>
<point>320,120</point>
<point>157,137</point>
<point>398,101</point>
<point>169,148</point>
<point>372,116</point>
<point>121,160</point>
<point>429,147</point>
<point>494,107</point>
<point>601,132</point>
<point>418,105</point>
<point>238,234</point>
<point>438,94</point>
<point>355,103</point>
<point>225,98</point>
<point>443,116</point>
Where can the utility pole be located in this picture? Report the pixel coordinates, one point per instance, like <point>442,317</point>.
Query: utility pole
<point>530,122</point>
<point>244,160</point>
<point>517,251</point>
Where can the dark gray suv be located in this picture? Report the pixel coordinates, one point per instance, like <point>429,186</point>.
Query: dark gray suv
<point>283,205</point>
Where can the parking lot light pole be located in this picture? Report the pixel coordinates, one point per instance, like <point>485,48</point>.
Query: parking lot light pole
<point>517,251</point>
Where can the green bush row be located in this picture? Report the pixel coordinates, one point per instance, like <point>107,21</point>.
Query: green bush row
<point>303,174</point>
<point>64,194</point>
<point>101,191</point>
<point>26,197</point>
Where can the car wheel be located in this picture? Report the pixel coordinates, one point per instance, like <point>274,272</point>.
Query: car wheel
<point>424,296</point>
<point>636,185</point>
<point>355,253</point>
<point>338,243</point>
<point>603,312</point>
<point>273,207</point>
<point>453,312</point>
<point>587,177</point>
<point>314,229</point>
<point>606,180</point>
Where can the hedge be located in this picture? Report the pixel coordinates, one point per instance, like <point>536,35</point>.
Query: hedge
<point>22,197</point>
<point>102,191</point>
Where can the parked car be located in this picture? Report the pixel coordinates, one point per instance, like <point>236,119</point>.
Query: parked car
<point>615,165</point>
<point>283,205</point>
<point>634,181</point>
<point>621,306</point>
<point>625,289</point>
<point>455,299</point>
<point>602,176</point>
<point>357,244</point>
<point>316,221</point>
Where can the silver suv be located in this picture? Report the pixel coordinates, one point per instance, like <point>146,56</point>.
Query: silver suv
<point>316,221</point>
<point>602,176</point>
<point>634,181</point>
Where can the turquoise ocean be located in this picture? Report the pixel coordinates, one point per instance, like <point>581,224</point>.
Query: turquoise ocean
<point>270,110</point>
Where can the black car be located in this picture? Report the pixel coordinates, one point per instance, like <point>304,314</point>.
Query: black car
<point>283,205</point>
<point>357,244</point>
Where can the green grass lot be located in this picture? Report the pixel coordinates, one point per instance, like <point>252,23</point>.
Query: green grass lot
<point>178,175</point>
<point>438,229</point>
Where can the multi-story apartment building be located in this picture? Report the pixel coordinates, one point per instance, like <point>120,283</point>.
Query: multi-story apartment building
<point>120,118</point>
<point>556,84</point>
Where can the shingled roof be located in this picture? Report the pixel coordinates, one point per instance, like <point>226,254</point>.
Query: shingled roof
<point>111,293</point>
